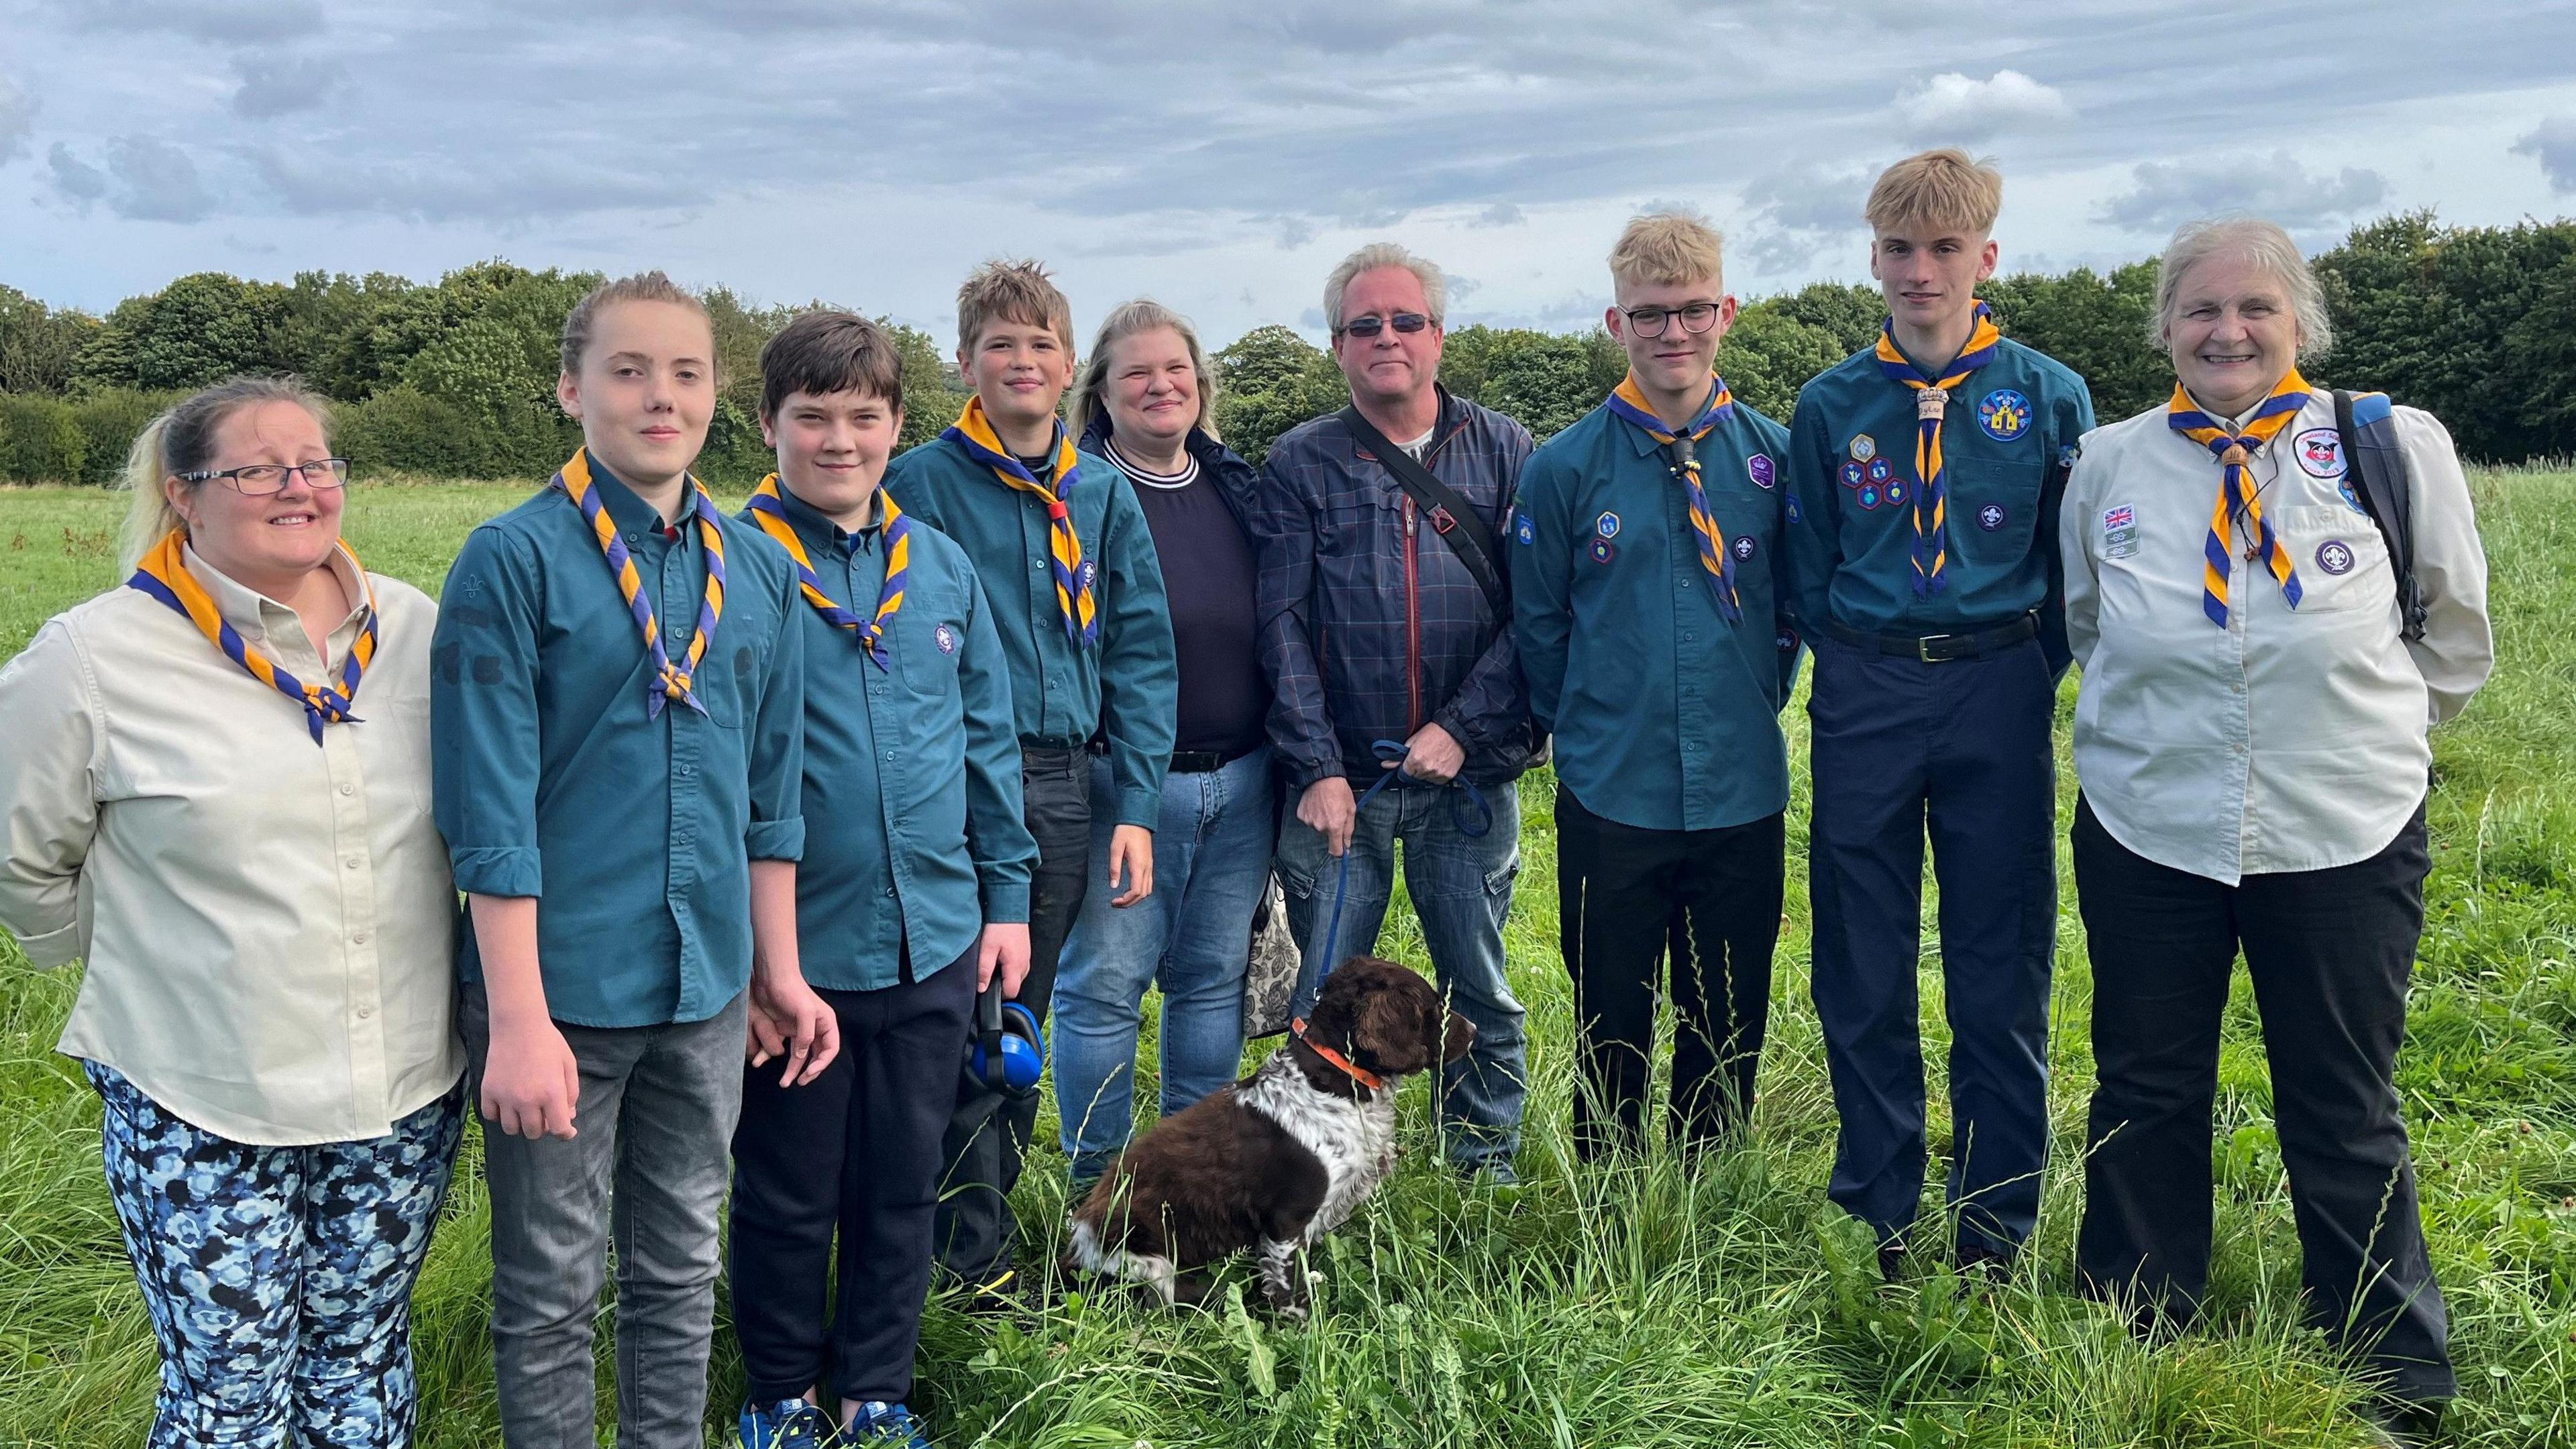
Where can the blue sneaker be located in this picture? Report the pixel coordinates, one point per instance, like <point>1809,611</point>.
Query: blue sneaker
<point>880,1425</point>
<point>786,1424</point>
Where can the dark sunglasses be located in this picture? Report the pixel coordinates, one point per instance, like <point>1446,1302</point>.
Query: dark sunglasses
<point>1371,326</point>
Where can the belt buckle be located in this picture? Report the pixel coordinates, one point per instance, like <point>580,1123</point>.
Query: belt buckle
<point>1923,647</point>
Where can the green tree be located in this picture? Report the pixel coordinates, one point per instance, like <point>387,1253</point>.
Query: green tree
<point>40,439</point>
<point>2094,324</point>
<point>1270,380</point>
<point>202,328</point>
<point>1770,353</point>
<point>39,346</point>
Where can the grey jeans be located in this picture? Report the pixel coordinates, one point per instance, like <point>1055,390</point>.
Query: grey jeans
<point>655,1121</point>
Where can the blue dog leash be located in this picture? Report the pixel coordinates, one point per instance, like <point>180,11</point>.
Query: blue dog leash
<point>1394,752</point>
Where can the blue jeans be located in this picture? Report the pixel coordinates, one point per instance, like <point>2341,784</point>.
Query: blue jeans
<point>1191,937</point>
<point>1461,887</point>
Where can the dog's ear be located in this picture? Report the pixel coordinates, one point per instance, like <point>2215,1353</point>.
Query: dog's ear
<point>1387,1037</point>
<point>1455,1037</point>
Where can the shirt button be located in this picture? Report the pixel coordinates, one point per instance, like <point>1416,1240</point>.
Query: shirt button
<point>357,938</point>
<point>348,789</point>
<point>365,1011</point>
<point>1690,638</point>
<point>889,755</point>
<point>353,862</point>
<point>889,890</point>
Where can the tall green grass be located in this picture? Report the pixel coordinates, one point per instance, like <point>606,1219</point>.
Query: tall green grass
<point>1658,1303</point>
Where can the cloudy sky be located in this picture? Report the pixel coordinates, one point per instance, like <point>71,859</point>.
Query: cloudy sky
<point>1221,156</point>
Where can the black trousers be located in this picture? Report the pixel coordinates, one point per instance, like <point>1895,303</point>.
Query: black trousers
<point>986,1144</point>
<point>855,1149</point>
<point>1631,900</point>
<point>2330,952</point>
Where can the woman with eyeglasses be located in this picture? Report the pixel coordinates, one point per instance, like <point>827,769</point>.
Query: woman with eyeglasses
<point>216,794</point>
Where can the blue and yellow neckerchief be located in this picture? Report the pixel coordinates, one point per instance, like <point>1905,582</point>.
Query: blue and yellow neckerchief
<point>2237,498</point>
<point>974,432</point>
<point>769,510</point>
<point>669,681</point>
<point>1931,477</point>
<point>163,573</point>
<point>1628,403</point>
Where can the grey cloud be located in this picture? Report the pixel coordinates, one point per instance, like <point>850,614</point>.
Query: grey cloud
<point>1501,213</point>
<point>430,191</point>
<point>274,85</point>
<point>1800,214</point>
<point>17,120</point>
<point>230,22</point>
<point>75,178</point>
<point>2554,144</point>
<point>2275,187</point>
<point>155,181</point>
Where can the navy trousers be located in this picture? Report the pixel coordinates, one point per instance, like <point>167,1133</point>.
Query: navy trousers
<point>1960,749</point>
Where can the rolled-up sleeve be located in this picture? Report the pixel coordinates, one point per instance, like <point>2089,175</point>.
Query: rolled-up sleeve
<point>484,739</point>
<point>2457,652</point>
<point>777,830</point>
<point>49,714</point>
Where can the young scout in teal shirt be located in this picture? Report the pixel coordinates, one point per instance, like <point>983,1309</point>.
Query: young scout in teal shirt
<point>913,892</point>
<point>1924,477</point>
<point>1068,565</point>
<point>617,712</point>
<point>1644,560</point>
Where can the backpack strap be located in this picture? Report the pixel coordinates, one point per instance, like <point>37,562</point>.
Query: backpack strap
<point>1451,516</point>
<point>2377,466</point>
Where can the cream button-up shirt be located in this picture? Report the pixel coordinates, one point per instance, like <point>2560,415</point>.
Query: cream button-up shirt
<point>2291,739</point>
<point>267,925</point>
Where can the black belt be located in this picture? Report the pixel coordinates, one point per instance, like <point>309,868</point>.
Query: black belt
<point>1200,762</point>
<point>1938,648</point>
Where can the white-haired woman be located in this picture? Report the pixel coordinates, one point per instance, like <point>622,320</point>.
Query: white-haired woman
<point>2251,742</point>
<point>216,793</point>
<point>1145,400</point>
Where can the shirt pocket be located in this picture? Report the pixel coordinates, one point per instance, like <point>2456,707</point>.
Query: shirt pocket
<point>2342,561</point>
<point>1993,509</point>
<point>925,636</point>
<point>395,731</point>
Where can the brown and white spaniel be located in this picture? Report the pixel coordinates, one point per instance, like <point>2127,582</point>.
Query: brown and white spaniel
<point>1279,1159</point>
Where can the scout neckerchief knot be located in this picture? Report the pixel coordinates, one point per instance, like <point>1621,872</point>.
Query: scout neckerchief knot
<point>670,681</point>
<point>1629,403</point>
<point>1931,479</point>
<point>974,432</point>
<point>164,575</point>
<point>769,510</point>
<point>2237,498</point>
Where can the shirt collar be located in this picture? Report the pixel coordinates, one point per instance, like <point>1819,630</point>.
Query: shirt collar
<point>820,527</point>
<point>627,508</point>
<point>253,615</point>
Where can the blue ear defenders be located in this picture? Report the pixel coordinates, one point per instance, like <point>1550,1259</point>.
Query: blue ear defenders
<point>1010,1048</point>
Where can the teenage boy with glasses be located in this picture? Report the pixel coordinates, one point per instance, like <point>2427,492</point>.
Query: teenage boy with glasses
<point>1924,479</point>
<point>1644,561</point>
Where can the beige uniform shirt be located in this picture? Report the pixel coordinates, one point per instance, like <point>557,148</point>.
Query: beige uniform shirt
<point>2292,739</point>
<point>267,924</point>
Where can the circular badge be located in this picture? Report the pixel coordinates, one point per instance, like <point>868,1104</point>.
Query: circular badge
<point>2004,414</point>
<point>1990,517</point>
<point>945,638</point>
<point>1088,572</point>
<point>1854,474</point>
<point>1743,548</point>
<point>1880,470</point>
<point>1761,469</point>
<point>2335,557</point>
<point>1868,497</point>
<point>1603,550</point>
<point>2320,452</point>
<point>1525,531</point>
<point>1607,525</point>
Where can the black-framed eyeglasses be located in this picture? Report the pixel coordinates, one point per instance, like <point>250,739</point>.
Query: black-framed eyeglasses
<point>1649,321</point>
<point>261,480</point>
<point>1406,322</point>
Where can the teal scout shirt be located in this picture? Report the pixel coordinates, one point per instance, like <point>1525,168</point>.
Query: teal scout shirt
<point>2006,443</point>
<point>637,833</point>
<point>1666,715</point>
<point>912,773</point>
<point>1126,684</point>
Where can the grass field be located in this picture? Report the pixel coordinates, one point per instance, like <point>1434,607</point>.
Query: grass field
<point>1728,1305</point>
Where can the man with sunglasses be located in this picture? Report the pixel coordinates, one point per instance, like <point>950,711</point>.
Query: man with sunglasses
<point>1384,617</point>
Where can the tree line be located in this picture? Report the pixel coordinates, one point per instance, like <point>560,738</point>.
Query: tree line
<point>456,378</point>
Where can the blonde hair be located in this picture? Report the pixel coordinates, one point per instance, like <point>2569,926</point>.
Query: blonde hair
<point>653,286</point>
<point>1435,287</point>
<point>1943,190</point>
<point>1667,248</point>
<point>2252,240</point>
<point>1132,319</point>
<point>1011,291</point>
<point>182,440</point>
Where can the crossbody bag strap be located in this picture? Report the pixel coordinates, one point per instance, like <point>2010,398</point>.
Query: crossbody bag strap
<point>1457,523</point>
